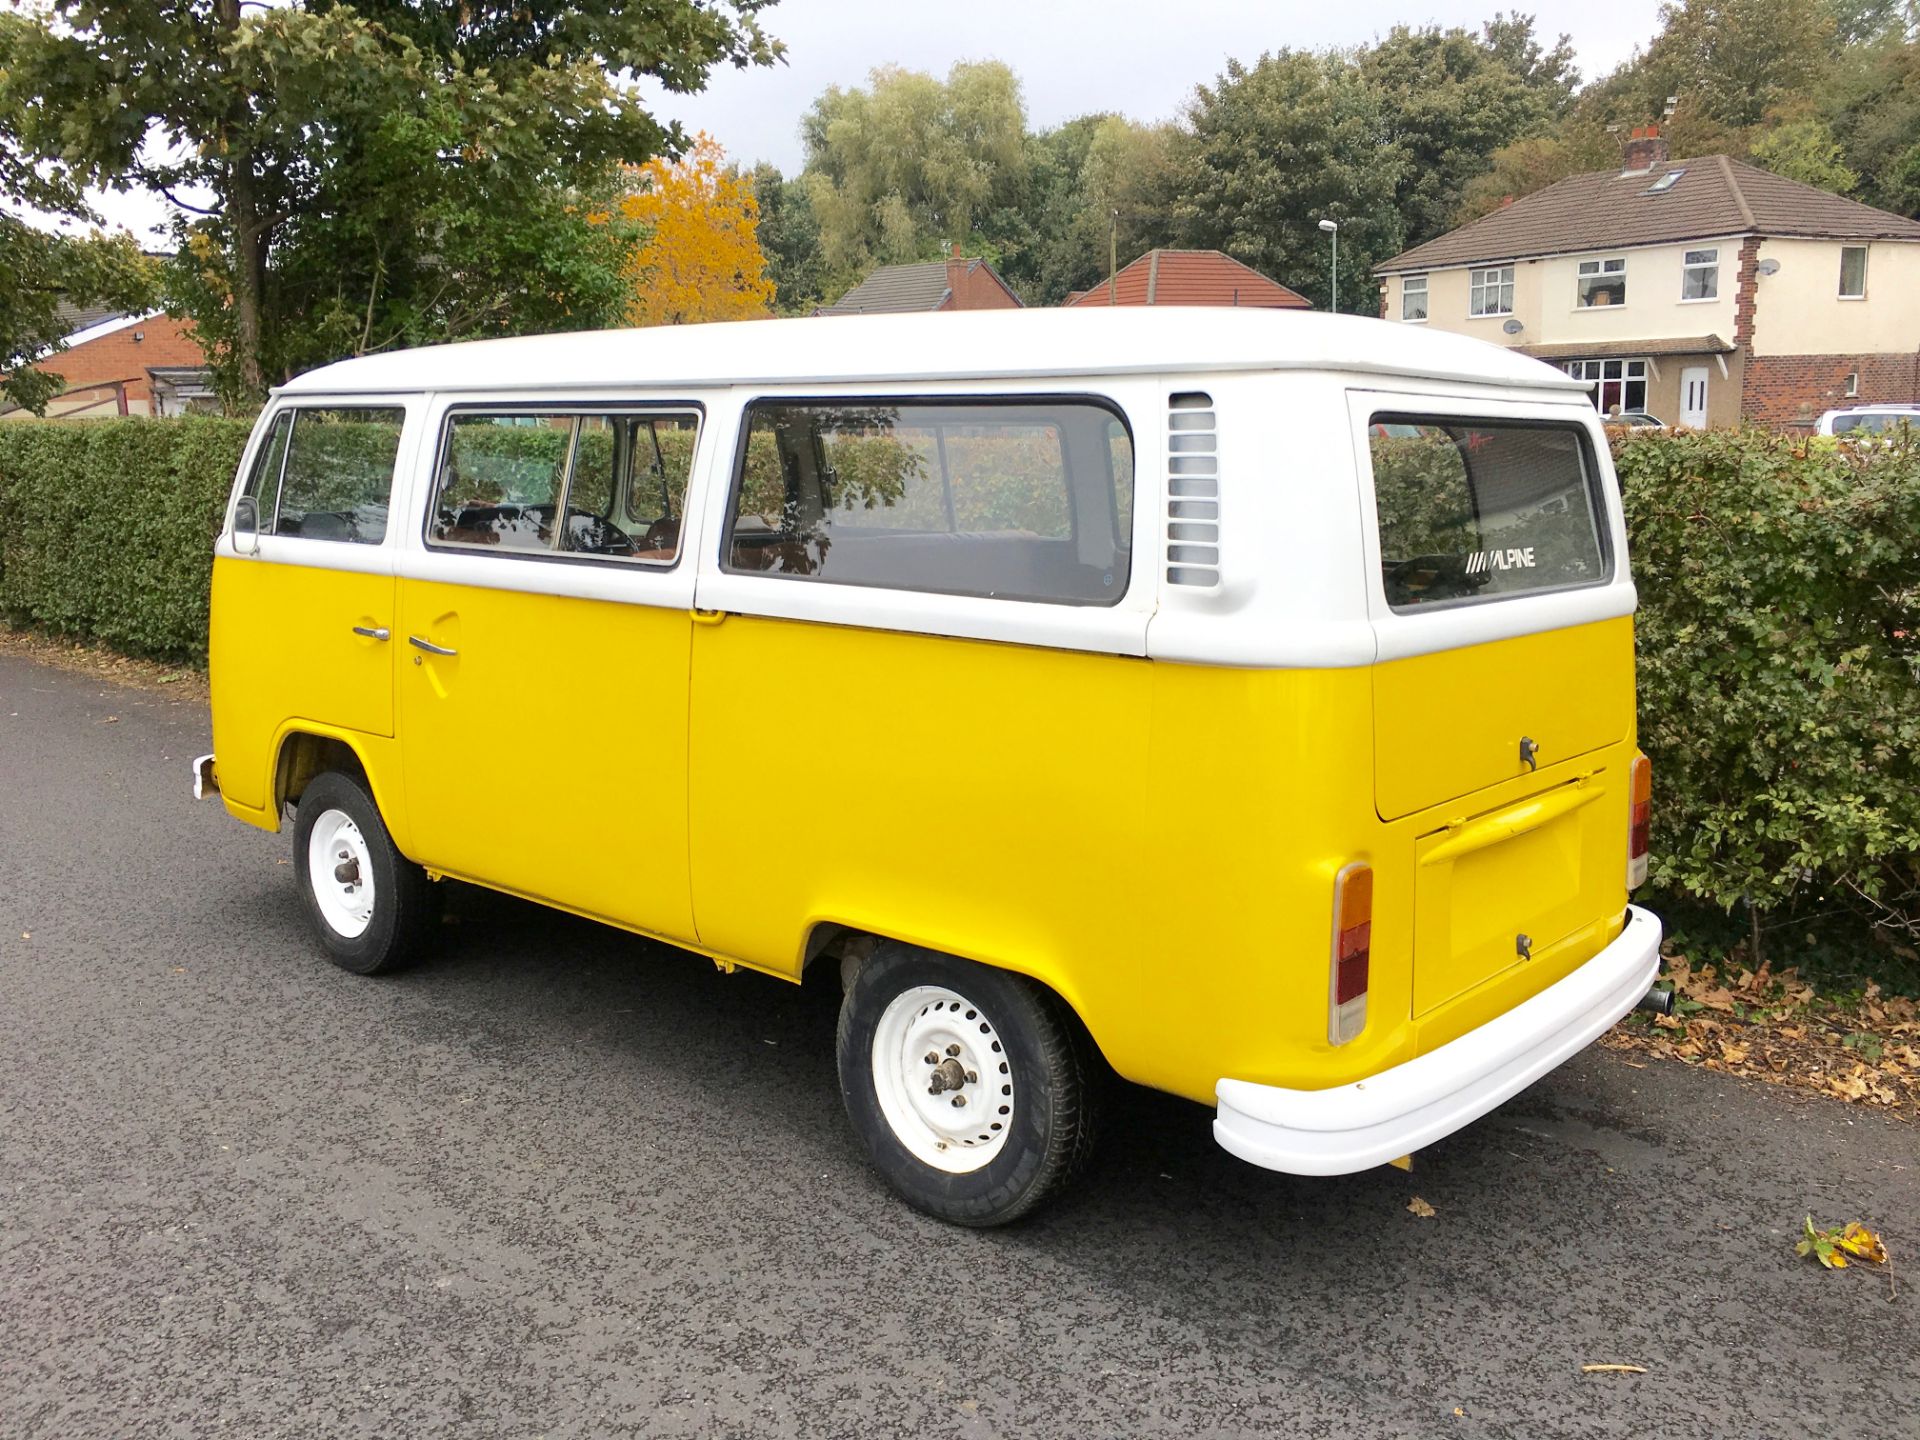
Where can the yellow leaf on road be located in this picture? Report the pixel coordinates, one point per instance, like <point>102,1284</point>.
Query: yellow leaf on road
<point>1614,1369</point>
<point>1859,1241</point>
<point>1420,1208</point>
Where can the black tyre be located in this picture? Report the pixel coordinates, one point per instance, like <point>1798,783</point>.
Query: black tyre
<point>371,907</point>
<point>974,1090</point>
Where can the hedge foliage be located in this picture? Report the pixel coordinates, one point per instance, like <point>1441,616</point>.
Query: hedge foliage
<point>1779,633</point>
<point>1779,652</point>
<point>107,527</point>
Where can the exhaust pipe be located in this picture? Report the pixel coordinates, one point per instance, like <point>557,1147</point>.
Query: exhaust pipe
<point>1659,1001</point>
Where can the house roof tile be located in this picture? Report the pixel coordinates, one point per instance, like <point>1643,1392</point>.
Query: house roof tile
<point>1192,277</point>
<point>893,289</point>
<point>1715,195</point>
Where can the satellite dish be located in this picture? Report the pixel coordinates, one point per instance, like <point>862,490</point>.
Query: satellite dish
<point>1769,267</point>
<point>1513,327</point>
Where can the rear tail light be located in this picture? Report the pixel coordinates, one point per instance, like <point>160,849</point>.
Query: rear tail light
<point>1352,951</point>
<point>1639,820</point>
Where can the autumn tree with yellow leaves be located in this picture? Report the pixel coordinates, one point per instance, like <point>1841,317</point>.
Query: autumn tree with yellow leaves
<point>700,258</point>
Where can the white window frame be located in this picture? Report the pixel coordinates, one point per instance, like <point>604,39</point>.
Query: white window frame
<point>1407,290</point>
<point>1711,266</point>
<point>1633,370</point>
<point>1852,391</point>
<point>1841,288</point>
<point>1601,267</point>
<point>1478,286</point>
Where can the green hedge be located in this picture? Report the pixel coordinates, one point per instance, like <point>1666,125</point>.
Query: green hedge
<point>1779,650</point>
<point>1779,637</point>
<point>107,527</point>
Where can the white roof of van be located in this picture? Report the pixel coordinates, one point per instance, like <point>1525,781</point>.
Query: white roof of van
<point>968,345</point>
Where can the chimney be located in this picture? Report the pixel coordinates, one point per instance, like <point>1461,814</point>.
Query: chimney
<point>956,272</point>
<point>1505,200</point>
<point>1645,149</point>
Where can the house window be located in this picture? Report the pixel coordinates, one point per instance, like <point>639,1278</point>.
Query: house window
<point>1617,384</point>
<point>1491,291</point>
<point>1602,282</point>
<point>1700,275</point>
<point>1413,297</point>
<point>1853,272</point>
<point>1853,385</point>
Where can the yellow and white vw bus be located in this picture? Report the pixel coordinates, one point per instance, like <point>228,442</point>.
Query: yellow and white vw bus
<point>1239,700</point>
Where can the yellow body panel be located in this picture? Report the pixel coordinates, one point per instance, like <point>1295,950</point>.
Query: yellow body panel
<point>1569,697</point>
<point>1155,841</point>
<point>548,756</point>
<point>282,649</point>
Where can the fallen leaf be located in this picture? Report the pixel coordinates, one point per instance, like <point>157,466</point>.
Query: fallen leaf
<point>1421,1208</point>
<point>111,720</point>
<point>1733,1054</point>
<point>1864,1244</point>
<point>1614,1369</point>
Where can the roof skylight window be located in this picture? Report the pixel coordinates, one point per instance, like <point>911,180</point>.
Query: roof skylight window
<point>1665,183</point>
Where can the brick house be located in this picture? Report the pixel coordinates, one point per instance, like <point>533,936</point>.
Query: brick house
<point>1191,277</point>
<point>120,364</point>
<point>1703,291</point>
<point>956,283</point>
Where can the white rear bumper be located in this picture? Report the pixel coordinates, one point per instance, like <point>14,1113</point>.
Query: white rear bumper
<point>1357,1126</point>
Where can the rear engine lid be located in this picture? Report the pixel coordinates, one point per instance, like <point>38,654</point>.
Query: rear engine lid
<point>1455,722</point>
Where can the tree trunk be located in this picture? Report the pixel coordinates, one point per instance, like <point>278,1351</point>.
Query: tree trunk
<point>248,231</point>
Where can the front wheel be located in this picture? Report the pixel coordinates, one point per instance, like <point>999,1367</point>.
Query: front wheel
<point>370,906</point>
<point>972,1089</point>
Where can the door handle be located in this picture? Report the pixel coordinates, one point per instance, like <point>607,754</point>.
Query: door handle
<point>373,632</point>
<point>429,646</point>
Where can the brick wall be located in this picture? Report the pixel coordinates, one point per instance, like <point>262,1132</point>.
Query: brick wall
<point>1792,391</point>
<point>1746,292</point>
<point>162,341</point>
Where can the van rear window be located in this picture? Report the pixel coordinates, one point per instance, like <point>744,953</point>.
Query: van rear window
<point>1483,509</point>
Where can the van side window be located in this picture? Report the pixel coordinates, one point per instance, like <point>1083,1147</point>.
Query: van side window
<point>605,485</point>
<point>1483,509</point>
<point>263,481</point>
<point>1009,499</point>
<point>338,474</point>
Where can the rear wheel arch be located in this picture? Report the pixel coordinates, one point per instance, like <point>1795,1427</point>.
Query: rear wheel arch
<point>845,947</point>
<point>302,753</point>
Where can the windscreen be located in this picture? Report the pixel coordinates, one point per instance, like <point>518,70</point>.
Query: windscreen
<point>1483,509</point>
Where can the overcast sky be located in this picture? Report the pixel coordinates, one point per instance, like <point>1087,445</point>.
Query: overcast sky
<point>1072,56</point>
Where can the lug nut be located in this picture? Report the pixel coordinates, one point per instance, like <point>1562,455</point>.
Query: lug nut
<point>973,1077</point>
<point>932,1059</point>
<point>953,1049</point>
<point>959,1101</point>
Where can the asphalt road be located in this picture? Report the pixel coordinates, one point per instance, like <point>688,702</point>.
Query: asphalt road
<point>558,1182</point>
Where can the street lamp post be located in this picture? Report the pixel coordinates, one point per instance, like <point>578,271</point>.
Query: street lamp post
<point>1332,227</point>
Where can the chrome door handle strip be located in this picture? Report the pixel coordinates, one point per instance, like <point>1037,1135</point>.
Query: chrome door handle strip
<point>429,646</point>
<point>373,632</point>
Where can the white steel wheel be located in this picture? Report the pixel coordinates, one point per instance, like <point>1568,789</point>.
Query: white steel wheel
<point>943,1079</point>
<point>340,873</point>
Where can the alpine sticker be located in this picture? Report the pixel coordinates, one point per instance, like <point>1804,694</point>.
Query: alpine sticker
<point>1482,561</point>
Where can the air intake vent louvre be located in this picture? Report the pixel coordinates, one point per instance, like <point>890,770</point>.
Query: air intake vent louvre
<point>1193,492</point>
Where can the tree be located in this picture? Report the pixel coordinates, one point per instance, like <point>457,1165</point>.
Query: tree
<point>387,173</point>
<point>701,256</point>
<point>912,162</point>
<point>1276,147</point>
<point>1805,150</point>
<point>1448,102</point>
<point>1873,109</point>
<point>1733,60</point>
<point>790,239</point>
<point>1574,148</point>
<point>1550,74</point>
